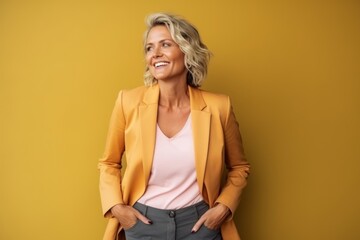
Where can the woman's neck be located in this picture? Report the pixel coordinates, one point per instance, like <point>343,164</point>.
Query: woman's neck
<point>174,95</point>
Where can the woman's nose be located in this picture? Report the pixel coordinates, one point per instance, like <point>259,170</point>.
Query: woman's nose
<point>157,52</point>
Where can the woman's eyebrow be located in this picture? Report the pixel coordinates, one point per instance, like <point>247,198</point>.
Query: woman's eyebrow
<point>161,41</point>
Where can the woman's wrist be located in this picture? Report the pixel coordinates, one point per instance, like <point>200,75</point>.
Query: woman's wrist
<point>224,209</point>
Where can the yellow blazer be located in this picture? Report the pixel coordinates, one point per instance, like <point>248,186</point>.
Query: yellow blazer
<point>132,130</point>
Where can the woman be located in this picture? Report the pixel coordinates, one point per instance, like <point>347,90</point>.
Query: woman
<point>177,140</point>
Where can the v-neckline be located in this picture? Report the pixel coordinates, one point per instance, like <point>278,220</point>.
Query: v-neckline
<point>176,134</point>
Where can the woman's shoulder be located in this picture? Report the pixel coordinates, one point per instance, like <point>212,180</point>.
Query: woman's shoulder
<point>217,103</point>
<point>133,95</point>
<point>213,97</point>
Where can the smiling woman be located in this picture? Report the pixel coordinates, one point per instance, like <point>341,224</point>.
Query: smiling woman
<point>186,36</point>
<point>172,188</point>
<point>164,58</point>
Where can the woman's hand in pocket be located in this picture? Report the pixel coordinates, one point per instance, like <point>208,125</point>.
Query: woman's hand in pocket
<point>213,218</point>
<point>128,216</point>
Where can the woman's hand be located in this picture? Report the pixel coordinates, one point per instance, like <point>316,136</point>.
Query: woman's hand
<point>128,216</point>
<point>212,218</point>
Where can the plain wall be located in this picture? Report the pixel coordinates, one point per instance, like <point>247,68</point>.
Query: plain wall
<point>292,69</point>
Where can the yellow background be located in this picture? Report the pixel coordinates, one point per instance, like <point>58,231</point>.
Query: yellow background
<point>292,69</point>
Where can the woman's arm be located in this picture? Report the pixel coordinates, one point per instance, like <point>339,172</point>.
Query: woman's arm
<point>110,163</point>
<point>237,166</point>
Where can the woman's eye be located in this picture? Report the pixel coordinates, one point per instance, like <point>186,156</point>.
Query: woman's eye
<point>166,44</point>
<point>148,49</point>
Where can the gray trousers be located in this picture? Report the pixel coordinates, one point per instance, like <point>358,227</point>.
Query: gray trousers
<point>171,224</point>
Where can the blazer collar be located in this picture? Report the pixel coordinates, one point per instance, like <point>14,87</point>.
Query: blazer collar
<point>151,95</point>
<point>197,102</point>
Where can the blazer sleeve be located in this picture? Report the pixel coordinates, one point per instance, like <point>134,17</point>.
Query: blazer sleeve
<point>237,166</point>
<point>110,163</point>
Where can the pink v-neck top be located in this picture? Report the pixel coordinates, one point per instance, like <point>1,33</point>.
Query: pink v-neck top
<point>172,183</point>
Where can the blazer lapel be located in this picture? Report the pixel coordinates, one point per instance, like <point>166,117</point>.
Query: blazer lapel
<point>201,131</point>
<point>148,120</point>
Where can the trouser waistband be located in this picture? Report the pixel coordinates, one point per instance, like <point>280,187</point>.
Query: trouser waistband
<point>147,210</point>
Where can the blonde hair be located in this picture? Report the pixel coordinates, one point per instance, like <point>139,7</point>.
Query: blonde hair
<point>196,53</point>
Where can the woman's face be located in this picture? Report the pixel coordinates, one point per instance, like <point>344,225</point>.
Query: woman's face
<point>163,56</point>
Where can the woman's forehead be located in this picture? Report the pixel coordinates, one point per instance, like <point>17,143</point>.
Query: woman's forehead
<point>158,33</point>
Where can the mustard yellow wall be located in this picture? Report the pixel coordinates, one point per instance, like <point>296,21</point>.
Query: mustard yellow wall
<point>292,69</point>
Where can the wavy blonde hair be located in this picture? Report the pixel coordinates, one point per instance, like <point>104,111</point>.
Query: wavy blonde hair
<point>196,53</point>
